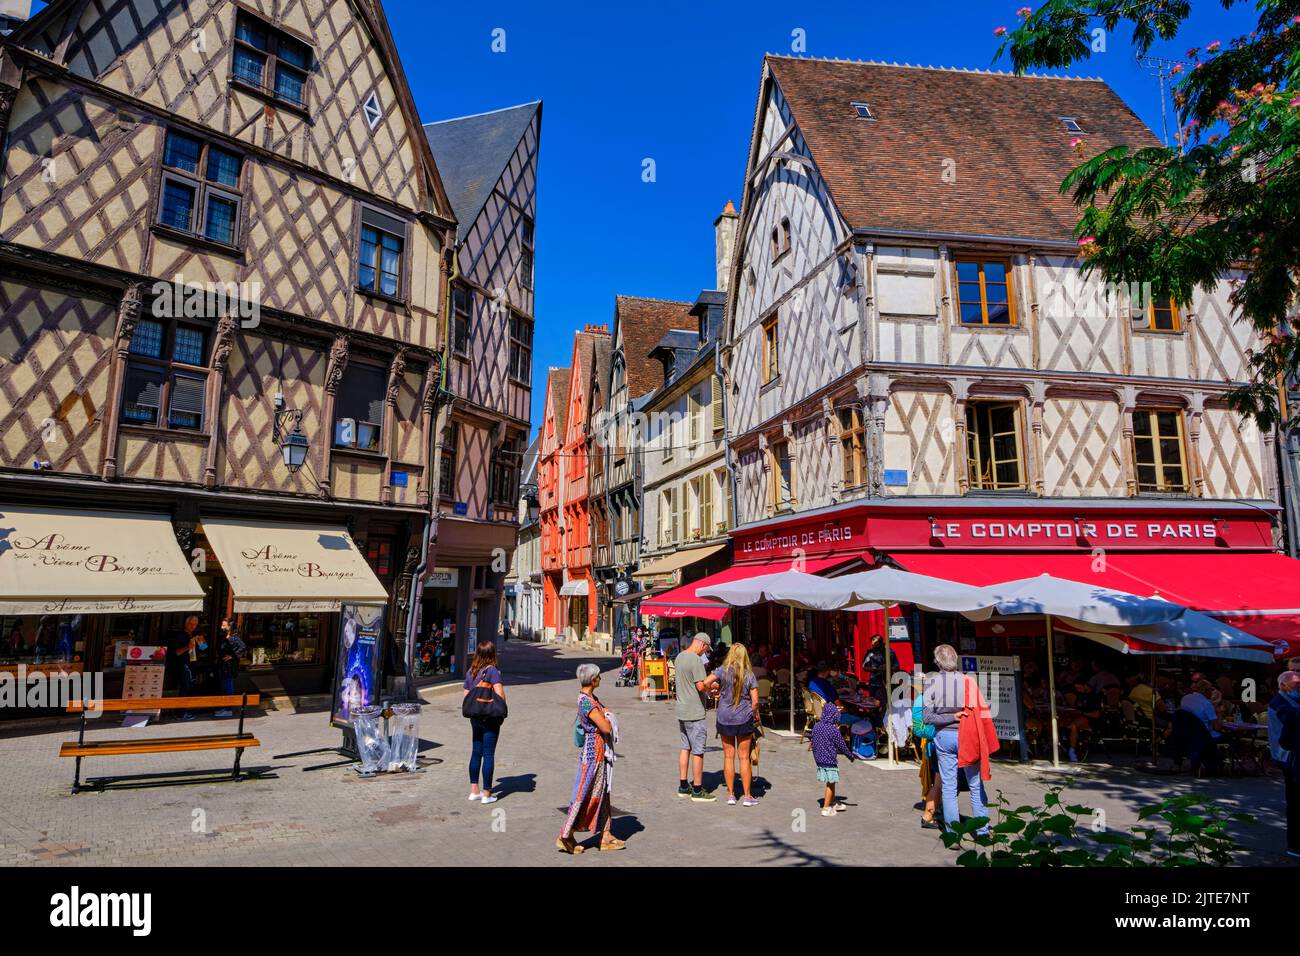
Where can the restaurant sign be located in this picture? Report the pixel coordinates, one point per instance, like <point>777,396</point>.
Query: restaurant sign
<point>1005,529</point>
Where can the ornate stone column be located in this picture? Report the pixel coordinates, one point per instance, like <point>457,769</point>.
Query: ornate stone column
<point>1195,415</point>
<point>396,372</point>
<point>1128,398</point>
<point>960,392</point>
<point>428,407</point>
<point>1038,398</point>
<point>128,317</point>
<point>338,362</point>
<point>222,344</point>
<point>873,390</point>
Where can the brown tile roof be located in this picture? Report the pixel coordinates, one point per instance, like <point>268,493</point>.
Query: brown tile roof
<point>644,322</point>
<point>1003,133</point>
<point>557,388</point>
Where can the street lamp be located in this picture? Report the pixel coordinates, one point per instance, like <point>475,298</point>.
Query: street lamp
<point>293,445</point>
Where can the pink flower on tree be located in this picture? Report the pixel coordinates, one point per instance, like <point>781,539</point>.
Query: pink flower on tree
<point>1212,47</point>
<point>1024,12</point>
<point>1000,32</point>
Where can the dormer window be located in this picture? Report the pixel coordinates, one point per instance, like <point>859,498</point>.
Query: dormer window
<point>1071,124</point>
<point>270,60</point>
<point>863,111</point>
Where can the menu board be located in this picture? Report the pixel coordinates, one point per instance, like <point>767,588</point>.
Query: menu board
<point>143,679</point>
<point>999,680</point>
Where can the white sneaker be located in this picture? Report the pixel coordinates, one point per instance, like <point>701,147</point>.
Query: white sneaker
<point>828,812</point>
<point>492,799</point>
<point>731,800</point>
<point>474,796</point>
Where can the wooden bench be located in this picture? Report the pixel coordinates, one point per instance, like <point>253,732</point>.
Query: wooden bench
<point>80,749</point>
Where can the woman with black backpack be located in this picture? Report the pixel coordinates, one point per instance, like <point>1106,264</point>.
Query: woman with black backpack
<point>484,704</point>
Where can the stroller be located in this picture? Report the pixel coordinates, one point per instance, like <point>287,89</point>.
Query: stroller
<point>629,673</point>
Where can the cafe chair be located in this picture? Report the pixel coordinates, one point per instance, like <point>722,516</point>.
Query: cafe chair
<point>812,709</point>
<point>765,685</point>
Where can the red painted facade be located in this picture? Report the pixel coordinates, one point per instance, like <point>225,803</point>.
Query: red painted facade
<point>549,471</point>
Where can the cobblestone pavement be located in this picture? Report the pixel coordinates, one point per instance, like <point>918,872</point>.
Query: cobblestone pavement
<point>332,816</point>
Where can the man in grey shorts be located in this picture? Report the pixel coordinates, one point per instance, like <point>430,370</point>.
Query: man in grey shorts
<point>692,685</point>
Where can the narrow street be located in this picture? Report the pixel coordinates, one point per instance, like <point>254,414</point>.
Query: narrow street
<point>332,816</point>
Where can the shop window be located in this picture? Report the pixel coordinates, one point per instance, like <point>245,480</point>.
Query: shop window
<point>771,347</point>
<point>201,194</point>
<point>284,638</point>
<point>359,408</point>
<point>166,379</point>
<point>995,451</point>
<point>447,476</point>
<point>383,242</point>
<point>505,473</point>
<point>271,61</point>
<point>852,448</point>
<point>521,348</point>
<point>1159,315</point>
<point>1158,451</point>
<point>42,639</point>
<point>781,468</point>
<point>984,292</point>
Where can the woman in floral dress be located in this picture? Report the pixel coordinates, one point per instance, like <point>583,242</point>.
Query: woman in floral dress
<point>589,807</point>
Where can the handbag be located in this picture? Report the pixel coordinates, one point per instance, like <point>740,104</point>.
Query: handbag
<point>489,706</point>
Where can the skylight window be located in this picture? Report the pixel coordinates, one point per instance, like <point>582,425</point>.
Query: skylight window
<point>863,110</point>
<point>1071,124</point>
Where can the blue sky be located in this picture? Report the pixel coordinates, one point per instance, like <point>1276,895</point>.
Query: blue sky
<point>677,82</point>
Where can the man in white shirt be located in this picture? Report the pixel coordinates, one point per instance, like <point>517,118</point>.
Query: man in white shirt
<point>1197,702</point>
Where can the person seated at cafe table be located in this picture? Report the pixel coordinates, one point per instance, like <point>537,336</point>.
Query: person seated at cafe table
<point>1086,708</point>
<point>1198,703</point>
<point>1141,696</point>
<point>820,683</point>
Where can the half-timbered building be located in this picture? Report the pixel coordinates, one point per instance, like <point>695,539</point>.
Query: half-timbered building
<point>488,163</point>
<point>551,472</point>
<point>582,446</point>
<point>223,238</point>
<point>918,372</point>
<point>639,323</point>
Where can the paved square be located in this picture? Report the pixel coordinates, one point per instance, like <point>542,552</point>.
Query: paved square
<point>332,816</point>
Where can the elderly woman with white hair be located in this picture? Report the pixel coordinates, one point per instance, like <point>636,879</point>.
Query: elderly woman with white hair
<point>942,705</point>
<point>589,806</point>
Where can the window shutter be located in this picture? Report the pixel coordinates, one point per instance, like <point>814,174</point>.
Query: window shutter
<point>693,412</point>
<point>718,423</point>
<point>187,395</point>
<point>706,505</point>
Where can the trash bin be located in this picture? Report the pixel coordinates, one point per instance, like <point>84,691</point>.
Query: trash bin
<point>372,745</point>
<point>403,737</point>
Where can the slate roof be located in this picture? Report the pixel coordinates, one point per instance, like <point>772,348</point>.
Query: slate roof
<point>472,152</point>
<point>643,323</point>
<point>1000,134</point>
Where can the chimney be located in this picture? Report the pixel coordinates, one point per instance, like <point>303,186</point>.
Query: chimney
<point>724,231</point>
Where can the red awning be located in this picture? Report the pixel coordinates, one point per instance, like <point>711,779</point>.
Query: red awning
<point>1257,592</point>
<point>684,602</point>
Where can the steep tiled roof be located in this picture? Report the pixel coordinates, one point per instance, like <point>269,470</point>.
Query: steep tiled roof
<point>1000,135</point>
<point>643,323</point>
<point>557,388</point>
<point>472,153</point>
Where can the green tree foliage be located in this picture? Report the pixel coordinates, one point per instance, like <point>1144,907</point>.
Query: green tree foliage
<point>1188,830</point>
<point>1226,197</point>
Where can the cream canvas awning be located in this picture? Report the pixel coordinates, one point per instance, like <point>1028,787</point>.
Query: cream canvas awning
<point>58,561</point>
<point>275,568</point>
<point>577,588</point>
<point>675,562</point>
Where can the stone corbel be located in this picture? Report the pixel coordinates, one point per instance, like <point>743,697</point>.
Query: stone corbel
<point>1128,399</point>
